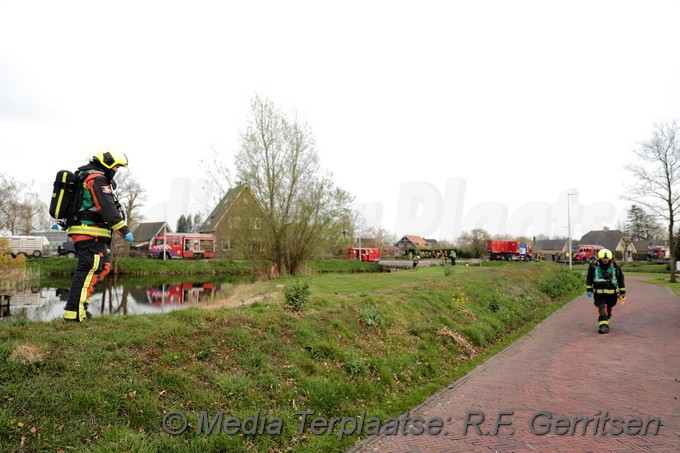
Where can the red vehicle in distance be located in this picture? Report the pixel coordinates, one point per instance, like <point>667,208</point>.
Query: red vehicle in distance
<point>586,253</point>
<point>508,251</point>
<point>367,254</point>
<point>182,245</point>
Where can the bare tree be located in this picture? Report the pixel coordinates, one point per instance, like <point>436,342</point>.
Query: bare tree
<point>382,238</point>
<point>279,163</point>
<point>31,214</point>
<point>10,190</point>
<point>473,242</point>
<point>21,212</point>
<point>657,175</point>
<point>131,196</point>
<point>219,176</point>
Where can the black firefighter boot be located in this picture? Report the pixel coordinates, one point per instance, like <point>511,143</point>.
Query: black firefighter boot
<point>602,318</point>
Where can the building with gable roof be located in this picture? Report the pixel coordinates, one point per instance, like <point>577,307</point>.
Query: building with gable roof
<point>143,233</point>
<point>236,222</point>
<point>614,240</point>
<point>410,242</point>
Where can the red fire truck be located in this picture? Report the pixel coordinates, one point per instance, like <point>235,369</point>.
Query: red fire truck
<point>366,253</point>
<point>182,245</point>
<point>508,250</point>
<point>658,252</point>
<point>586,253</point>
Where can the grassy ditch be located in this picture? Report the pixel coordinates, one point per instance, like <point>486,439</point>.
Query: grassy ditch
<point>376,343</point>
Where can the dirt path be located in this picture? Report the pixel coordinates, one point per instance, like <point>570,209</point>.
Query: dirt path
<point>248,293</point>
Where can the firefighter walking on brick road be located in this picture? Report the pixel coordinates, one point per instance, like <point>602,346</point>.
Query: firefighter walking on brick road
<point>99,216</point>
<point>606,284</point>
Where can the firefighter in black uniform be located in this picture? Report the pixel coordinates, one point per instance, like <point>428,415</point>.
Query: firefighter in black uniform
<point>99,216</point>
<point>605,281</point>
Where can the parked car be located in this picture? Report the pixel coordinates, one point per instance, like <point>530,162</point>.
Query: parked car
<point>67,248</point>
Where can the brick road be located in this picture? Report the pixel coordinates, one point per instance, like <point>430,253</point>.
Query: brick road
<point>566,368</point>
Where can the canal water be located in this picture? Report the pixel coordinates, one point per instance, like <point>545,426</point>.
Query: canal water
<point>118,297</point>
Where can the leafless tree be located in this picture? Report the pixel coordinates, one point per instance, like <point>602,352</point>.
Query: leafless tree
<point>279,163</point>
<point>219,176</point>
<point>21,212</point>
<point>131,196</point>
<point>382,238</point>
<point>474,242</point>
<point>31,214</point>
<point>657,175</point>
<point>10,190</point>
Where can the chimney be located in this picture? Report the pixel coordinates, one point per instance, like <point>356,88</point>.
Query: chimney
<point>605,229</point>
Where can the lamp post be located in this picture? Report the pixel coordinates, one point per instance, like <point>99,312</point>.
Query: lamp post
<point>359,236</point>
<point>569,226</point>
<point>165,232</point>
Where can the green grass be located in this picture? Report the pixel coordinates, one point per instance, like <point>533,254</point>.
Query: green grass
<point>342,265</point>
<point>662,280</point>
<point>61,266</point>
<point>643,266</point>
<point>378,343</point>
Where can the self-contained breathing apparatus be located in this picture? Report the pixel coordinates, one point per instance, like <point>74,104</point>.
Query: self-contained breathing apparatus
<point>67,199</point>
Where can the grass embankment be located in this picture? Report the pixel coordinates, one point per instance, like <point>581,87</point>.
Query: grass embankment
<point>374,343</point>
<point>63,266</point>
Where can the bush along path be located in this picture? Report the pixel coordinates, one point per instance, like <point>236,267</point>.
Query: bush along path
<point>246,378</point>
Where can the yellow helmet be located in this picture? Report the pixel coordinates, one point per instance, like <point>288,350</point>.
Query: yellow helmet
<point>605,254</point>
<point>110,159</point>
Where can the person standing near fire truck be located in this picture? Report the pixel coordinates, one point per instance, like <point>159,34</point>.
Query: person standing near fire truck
<point>605,282</point>
<point>99,216</point>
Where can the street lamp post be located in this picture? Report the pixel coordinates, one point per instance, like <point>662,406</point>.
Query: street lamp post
<point>569,226</point>
<point>165,231</point>
<point>360,248</point>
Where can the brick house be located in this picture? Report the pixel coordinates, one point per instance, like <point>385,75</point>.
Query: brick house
<point>236,223</point>
<point>411,242</point>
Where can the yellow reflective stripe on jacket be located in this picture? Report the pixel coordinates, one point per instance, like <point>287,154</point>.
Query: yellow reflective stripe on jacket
<point>119,225</point>
<point>89,231</point>
<point>606,291</point>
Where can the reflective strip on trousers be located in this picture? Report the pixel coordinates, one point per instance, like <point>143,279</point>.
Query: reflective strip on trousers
<point>68,314</point>
<point>85,291</point>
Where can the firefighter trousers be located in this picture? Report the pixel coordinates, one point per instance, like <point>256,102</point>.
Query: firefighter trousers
<point>93,265</point>
<point>605,307</point>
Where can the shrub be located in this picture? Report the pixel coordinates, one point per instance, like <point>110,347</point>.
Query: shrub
<point>494,303</point>
<point>560,282</point>
<point>371,317</point>
<point>6,260</point>
<point>296,294</point>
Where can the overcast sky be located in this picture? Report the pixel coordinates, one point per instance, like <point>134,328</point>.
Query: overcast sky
<point>438,116</point>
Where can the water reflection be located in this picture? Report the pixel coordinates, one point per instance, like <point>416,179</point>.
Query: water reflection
<point>120,297</point>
